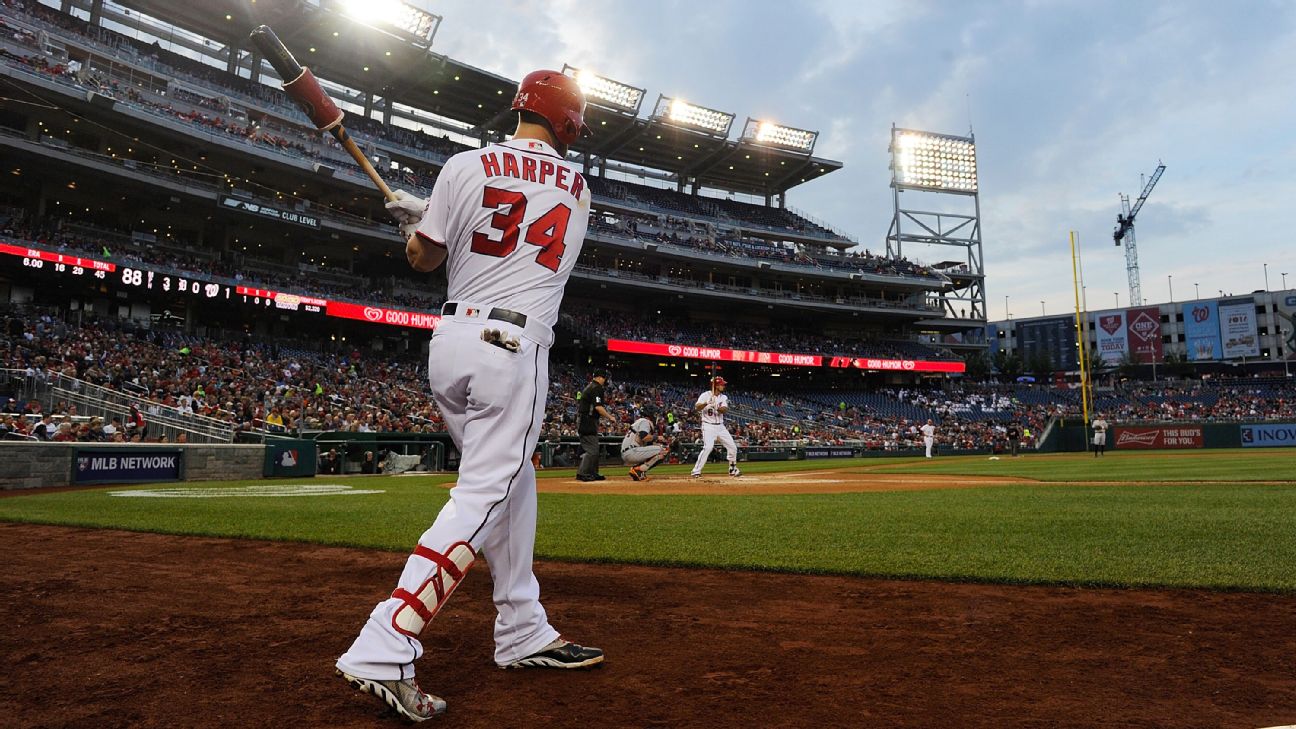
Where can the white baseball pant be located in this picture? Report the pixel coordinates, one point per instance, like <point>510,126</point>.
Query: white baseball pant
<point>493,402</point>
<point>710,433</point>
<point>928,442</point>
<point>646,456</point>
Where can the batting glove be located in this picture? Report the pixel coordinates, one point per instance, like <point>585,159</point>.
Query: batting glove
<point>406,208</point>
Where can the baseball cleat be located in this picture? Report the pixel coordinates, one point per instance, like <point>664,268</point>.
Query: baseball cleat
<point>733,471</point>
<point>403,697</point>
<point>561,654</point>
<point>695,475</point>
<point>638,475</point>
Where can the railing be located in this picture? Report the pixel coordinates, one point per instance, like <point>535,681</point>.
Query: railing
<point>725,221</point>
<point>753,291</point>
<point>822,265</point>
<point>49,386</point>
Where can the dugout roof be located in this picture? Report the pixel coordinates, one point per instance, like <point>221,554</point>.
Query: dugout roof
<point>410,72</point>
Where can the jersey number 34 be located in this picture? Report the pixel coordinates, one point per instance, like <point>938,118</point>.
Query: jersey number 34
<point>549,231</point>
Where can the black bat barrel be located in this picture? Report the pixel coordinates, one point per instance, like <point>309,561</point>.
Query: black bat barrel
<point>274,51</point>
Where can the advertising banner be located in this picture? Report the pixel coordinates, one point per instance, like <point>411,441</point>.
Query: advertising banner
<point>382,315</point>
<point>1144,330</point>
<point>829,453</point>
<point>1238,329</point>
<point>1269,435</point>
<point>691,351</point>
<point>1202,330</point>
<point>897,365</point>
<point>1158,436</point>
<point>1287,325</point>
<point>127,465</point>
<point>1113,341</point>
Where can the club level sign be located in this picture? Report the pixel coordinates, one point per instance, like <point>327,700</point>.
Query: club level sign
<point>267,211</point>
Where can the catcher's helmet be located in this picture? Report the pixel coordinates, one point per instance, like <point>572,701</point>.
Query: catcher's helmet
<point>718,380</point>
<point>558,99</point>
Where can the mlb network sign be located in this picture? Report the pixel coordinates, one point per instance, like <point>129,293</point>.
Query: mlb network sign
<point>1280,435</point>
<point>128,465</point>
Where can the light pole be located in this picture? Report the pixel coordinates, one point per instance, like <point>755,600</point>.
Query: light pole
<point>1284,281</point>
<point>1282,349</point>
<point>1042,308</point>
<point>1006,314</point>
<point>1266,268</point>
<point>1117,298</point>
<point>1170,283</point>
<point>1198,290</point>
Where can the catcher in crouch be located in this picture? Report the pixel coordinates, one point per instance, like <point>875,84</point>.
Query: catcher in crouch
<point>640,452</point>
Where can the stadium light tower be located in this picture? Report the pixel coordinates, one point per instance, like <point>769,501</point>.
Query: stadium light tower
<point>603,91</point>
<point>769,134</point>
<point>942,168</point>
<point>681,113</point>
<point>394,14</point>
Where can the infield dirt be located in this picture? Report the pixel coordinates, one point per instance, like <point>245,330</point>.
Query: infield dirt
<point>116,629</point>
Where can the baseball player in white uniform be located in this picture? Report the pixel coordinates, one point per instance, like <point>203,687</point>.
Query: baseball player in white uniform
<point>929,437</point>
<point>509,221</point>
<point>713,404</point>
<point>640,451</point>
<point>1099,435</point>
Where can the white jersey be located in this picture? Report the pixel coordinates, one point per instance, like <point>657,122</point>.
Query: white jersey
<point>1100,426</point>
<point>512,217</point>
<point>711,414</point>
<point>928,431</point>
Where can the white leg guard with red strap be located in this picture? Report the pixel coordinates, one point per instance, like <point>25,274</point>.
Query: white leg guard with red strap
<point>422,605</point>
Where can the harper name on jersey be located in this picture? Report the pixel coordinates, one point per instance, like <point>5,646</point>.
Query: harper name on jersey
<point>530,169</point>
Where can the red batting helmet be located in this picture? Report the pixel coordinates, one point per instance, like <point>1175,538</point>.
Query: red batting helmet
<point>558,99</point>
<point>718,380</point>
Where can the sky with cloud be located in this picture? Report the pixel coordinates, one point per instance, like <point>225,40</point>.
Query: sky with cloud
<point>1070,103</point>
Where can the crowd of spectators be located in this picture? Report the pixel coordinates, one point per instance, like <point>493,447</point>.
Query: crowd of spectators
<point>249,385</point>
<point>256,386</point>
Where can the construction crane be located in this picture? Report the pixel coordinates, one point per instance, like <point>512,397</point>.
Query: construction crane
<point>1125,234</point>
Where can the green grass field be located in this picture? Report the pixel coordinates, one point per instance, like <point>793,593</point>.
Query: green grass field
<point>1180,529</point>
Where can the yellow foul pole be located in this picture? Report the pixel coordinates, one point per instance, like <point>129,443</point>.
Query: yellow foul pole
<point>1081,338</point>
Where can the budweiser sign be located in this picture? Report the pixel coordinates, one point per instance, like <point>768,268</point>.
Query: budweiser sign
<point>1160,436</point>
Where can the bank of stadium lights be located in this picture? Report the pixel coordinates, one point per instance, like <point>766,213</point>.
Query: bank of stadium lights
<point>604,91</point>
<point>933,161</point>
<point>394,14</point>
<point>776,135</point>
<point>681,113</point>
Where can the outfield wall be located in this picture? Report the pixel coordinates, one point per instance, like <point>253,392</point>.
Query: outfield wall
<point>26,465</point>
<point>1181,436</point>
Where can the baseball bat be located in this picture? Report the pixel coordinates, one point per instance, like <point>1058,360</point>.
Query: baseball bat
<point>302,87</point>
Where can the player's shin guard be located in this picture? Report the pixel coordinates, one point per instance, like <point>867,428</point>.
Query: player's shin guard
<point>423,604</point>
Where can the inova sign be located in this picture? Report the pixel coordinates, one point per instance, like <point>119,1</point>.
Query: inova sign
<point>1269,436</point>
